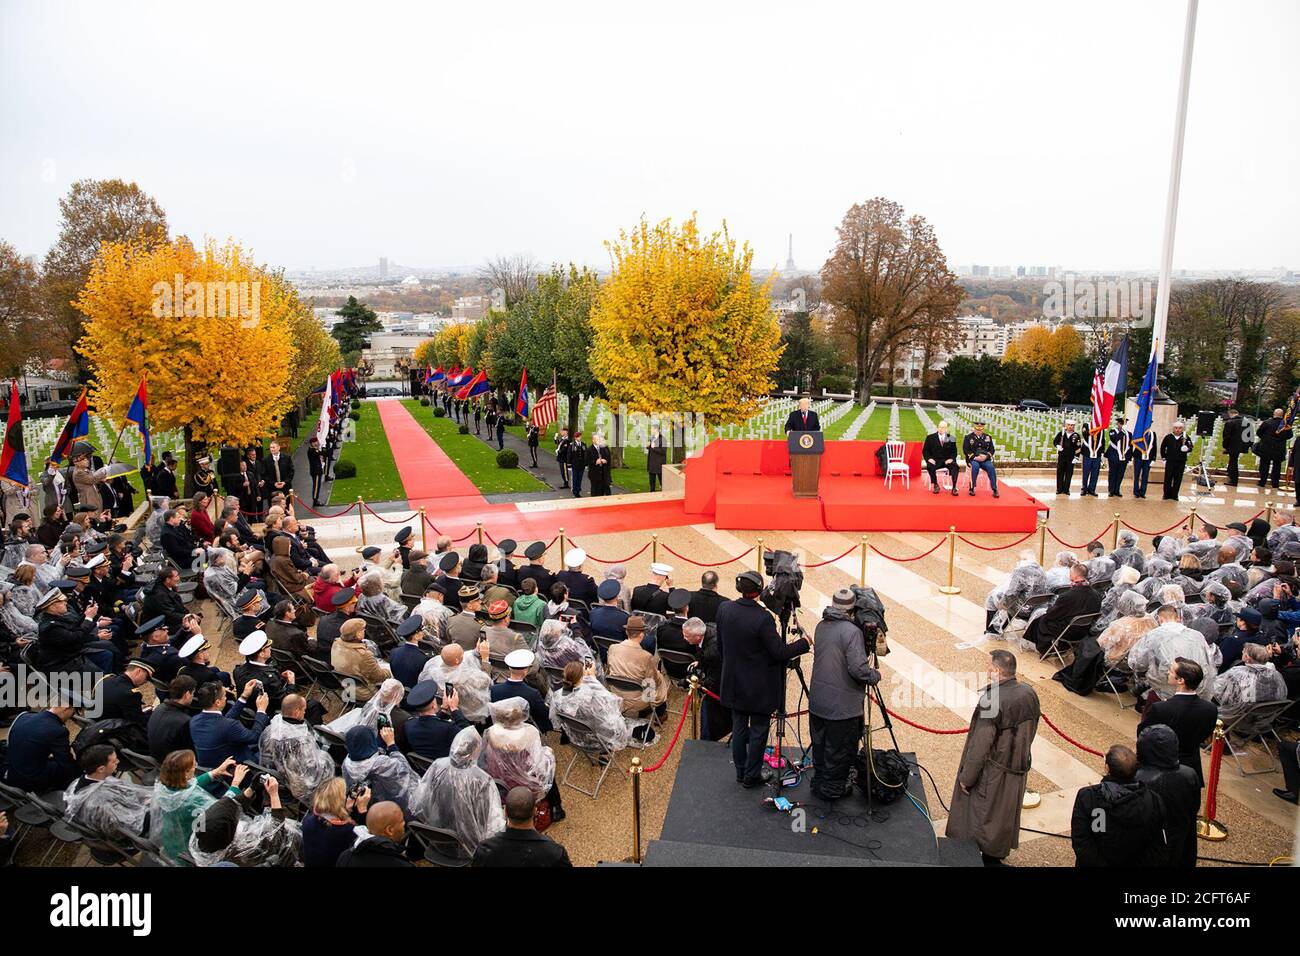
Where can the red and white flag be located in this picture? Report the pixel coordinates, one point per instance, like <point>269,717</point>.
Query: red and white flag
<point>1106,384</point>
<point>546,408</point>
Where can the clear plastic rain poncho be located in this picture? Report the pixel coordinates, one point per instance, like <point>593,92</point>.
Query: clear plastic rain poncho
<point>1151,656</point>
<point>1158,571</point>
<point>388,775</point>
<point>1239,543</point>
<point>1131,622</point>
<point>1171,548</point>
<point>1261,589</point>
<point>222,582</point>
<point>1207,553</point>
<point>473,684</point>
<point>1216,606</point>
<point>262,840</point>
<point>294,750</point>
<point>1099,569</point>
<point>1058,575</point>
<point>457,794</point>
<point>110,807</point>
<point>172,813</point>
<point>1283,534</point>
<point>600,710</point>
<point>556,646</point>
<point>388,696</point>
<point>1128,552</point>
<point>1025,580</point>
<point>1249,683</point>
<point>1231,572</point>
<point>513,752</point>
<point>1121,583</point>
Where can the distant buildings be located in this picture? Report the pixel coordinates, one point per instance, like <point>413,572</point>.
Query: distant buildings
<point>470,308</point>
<point>383,267</point>
<point>386,349</point>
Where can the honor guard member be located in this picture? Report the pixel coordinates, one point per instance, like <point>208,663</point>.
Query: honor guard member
<point>562,442</point>
<point>1069,445</point>
<point>507,573</point>
<point>1144,452</point>
<point>939,451</point>
<point>534,435</point>
<point>205,479</point>
<point>316,466</point>
<point>1234,444</point>
<point>196,663</point>
<point>404,539</point>
<point>1174,450</point>
<point>1094,443</point>
<point>535,569</point>
<point>977,447</point>
<point>1119,448</point>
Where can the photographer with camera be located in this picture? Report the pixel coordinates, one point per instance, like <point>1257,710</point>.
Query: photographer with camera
<point>841,674</point>
<point>753,656</point>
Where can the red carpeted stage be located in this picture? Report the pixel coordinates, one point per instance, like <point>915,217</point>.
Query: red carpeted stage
<point>746,485</point>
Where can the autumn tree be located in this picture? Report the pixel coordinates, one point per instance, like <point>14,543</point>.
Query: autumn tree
<point>316,352</point>
<point>20,312</point>
<point>515,276</point>
<point>885,279</point>
<point>680,325</point>
<point>95,211</point>
<point>221,372</point>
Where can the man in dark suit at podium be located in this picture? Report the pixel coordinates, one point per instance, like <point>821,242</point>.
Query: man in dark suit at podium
<point>802,420</point>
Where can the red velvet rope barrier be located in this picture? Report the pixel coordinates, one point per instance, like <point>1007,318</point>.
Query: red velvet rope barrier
<point>686,709</point>
<point>411,517</point>
<point>634,554</point>
<point>432,526</point>
<point>1000,547</point>
<point>1100,535</point>
<point>925,554</point>
<point>820,564</point>
<point>1212,785</point>
<point>1150,534</point>
<point>299,503</point>
<point>712,564</point>
<point>1062,734</point>
<point>928,730</point>
<point>468,534</point>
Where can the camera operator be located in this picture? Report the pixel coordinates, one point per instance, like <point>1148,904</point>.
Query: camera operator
<point>841,674</point>
<point>753,656</point>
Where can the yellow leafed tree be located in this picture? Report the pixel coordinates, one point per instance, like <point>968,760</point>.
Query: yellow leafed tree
<point>211,332</point>
<point>680,325</point>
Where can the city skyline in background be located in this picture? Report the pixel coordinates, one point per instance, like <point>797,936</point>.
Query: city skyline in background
<point>1027,135</point>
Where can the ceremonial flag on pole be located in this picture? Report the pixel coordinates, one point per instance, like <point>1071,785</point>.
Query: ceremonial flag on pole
<point>1292,409</point>
<point>1108,382</point>
<point>522,403</point>
<point>477,386</point>
<point>462,377</point>
<point>437,375</point>
<point>13,458</point>
<point>1142,421</point>
<point>323,423</point>
<point>546,409</point>
<point>138,415</point>
<point>78,426</point>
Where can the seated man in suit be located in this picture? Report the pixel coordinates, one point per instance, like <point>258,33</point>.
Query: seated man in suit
<point>802,419</point>
<point>1080,599</point>
<point>1190,716</point>
<point>436,721</point>
<point>940,451</point>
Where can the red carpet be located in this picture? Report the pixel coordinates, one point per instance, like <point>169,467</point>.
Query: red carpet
<point>425,470</point>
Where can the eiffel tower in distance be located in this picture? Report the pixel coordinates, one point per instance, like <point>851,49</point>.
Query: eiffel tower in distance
<point>789,259</point>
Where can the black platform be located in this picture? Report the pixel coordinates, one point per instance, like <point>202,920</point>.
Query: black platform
<point>713,821</point>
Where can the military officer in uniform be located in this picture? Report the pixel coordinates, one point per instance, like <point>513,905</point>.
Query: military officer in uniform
<point>316,466</point>
<point>1119,447</point>
<point>1144,452</point>
<point>977,447</point>
<point>1069,445</point>
<point>205,479</point>
<point>1174,450</point>
<point>1092,446</point>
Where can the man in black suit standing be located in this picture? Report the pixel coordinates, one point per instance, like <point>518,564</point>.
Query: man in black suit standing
<point>316,466</point>
<point>705,601</point>
<point>803,419</point>
<point>1190,717</point>
<point>1270,445</point>
<point>1233,444</point>
<point>277,472</point>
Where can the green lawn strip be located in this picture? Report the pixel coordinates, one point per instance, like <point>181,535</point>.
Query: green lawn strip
<point>910,427</point>
<point>476,459</point>
<point>841,424</point>
<point>877,426</point>
<point>377,478</point>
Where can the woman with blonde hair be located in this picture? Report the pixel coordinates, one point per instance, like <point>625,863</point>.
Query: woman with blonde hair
<point>331,827</point>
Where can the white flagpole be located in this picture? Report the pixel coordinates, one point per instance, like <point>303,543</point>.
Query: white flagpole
<point>1175,177</point>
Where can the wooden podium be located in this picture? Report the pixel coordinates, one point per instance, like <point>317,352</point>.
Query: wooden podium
<point>805,461</point>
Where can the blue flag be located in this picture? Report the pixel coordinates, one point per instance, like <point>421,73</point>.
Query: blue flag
<point>1145,397</point>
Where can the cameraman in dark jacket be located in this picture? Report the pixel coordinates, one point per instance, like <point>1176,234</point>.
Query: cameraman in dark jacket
<point>753,656</point>
<point>840,678</point>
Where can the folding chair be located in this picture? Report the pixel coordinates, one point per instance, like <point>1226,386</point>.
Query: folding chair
<point>1079,625</point>
<point>379,631</point>
<point>141,766</point>
<point>499,670</point>
<point>895,464</point>
<point>326,680</point>
<point>627,684</point>
<point>1108,678</point>
<point>555,675</point>
<point>441,847</point>
<point>410,600</point>
<point>1256,721</point>
<point>586,744</point>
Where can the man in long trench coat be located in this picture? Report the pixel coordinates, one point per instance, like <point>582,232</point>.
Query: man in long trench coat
<point>990,787</point>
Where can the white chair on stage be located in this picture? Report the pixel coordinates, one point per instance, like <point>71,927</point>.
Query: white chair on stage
<point>896,464</point>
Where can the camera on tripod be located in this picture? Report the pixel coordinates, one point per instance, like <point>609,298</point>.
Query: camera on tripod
<point>784,579</point>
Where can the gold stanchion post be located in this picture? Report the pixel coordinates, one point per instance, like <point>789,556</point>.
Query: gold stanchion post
<point>695,706</point>
<point>424,531</point>
<point>1212,831</point>
<point>636,809</point>
<point>1191,521</point>
<point>1042,540</point>
<point>361,513</point>
<point>951,588</point>
<point>1114,535</point>
<point>478,526</point>
<point>561,543</point>
<point>862,574</point>
<point>1269,508</point>
<point>758,556</point>
<point>654,548</point>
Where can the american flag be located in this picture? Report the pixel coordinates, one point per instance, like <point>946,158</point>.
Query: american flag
<point>545,410</point>
<point>1106,384</point>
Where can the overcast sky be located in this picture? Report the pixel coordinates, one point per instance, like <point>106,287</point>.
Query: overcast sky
<point>327,135</point>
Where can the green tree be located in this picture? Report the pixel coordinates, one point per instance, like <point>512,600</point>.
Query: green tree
<point>359,321</point>
<point>808,353</point>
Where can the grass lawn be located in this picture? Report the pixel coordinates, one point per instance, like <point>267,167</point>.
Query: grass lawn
<point>377,478</point>
<point>841,425</point>
<point>474,457</point>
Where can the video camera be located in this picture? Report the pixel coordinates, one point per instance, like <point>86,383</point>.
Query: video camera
<point>784,579</point>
